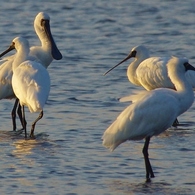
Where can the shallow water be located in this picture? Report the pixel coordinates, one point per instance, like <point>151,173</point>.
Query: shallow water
<point>67,156</point>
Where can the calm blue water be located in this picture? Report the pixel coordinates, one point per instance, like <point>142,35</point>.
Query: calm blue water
<point>68,157</point>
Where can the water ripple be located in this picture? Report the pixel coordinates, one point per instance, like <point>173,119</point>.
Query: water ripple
<point>67,156</point>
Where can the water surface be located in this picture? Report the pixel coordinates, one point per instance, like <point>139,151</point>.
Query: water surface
<point>68,157</point>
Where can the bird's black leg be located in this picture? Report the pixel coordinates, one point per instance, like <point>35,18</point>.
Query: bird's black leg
<point>34,123</point>
<point>175,123</point>
<point>13,114</point>
<point>23,121</point>
<point>19,111</point>
<point>149,171</point>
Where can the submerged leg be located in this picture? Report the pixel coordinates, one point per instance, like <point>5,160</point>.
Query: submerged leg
<point>19,111</point>
<point>13,114</point>
<point>149,171</point>
<point>34,123</point>
<point>23,121</point>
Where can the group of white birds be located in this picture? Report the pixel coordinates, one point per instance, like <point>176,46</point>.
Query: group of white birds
<point>169,83</point>
<point>24,75</point>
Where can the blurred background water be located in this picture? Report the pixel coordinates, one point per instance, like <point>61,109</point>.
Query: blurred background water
<point>68,157</point>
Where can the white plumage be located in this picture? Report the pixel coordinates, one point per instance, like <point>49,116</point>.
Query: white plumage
<point>152,112</point>
<point>150,72</point>
<point>48,49</point>
<point>31,85</point>
<point>30,80</point>
<point>44,54</point>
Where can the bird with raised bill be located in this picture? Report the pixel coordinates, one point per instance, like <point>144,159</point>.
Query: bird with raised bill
<point>30,80</point>
<point>152,112</point>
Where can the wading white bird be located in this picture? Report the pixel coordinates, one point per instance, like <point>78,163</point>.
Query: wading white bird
<point>44,53</point>
<point>30,80</point>
<point>152,112</point>
<point>150,72</point>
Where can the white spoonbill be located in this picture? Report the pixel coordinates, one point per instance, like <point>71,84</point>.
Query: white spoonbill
<point>30,80</point>
<point>44,53</point>
<point>152,112</point>
<point>48,49</point>
<point>150,72</point>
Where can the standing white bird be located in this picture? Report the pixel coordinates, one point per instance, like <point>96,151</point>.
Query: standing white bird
<point>44,53</point>
<point>152,112</point>
<point>150,72</point>
<point>30,80</point>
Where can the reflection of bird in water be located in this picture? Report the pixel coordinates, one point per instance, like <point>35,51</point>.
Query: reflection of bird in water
<point>152,112</point>
<point>24,147</point>
<point>7,135</point>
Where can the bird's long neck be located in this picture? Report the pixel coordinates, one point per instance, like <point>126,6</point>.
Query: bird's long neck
<point>45,42</point>
<point>43,36</point>
<point>43,52</point>
<point>131,71</point>
<point>184,91</point>
<point>21,56</point>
